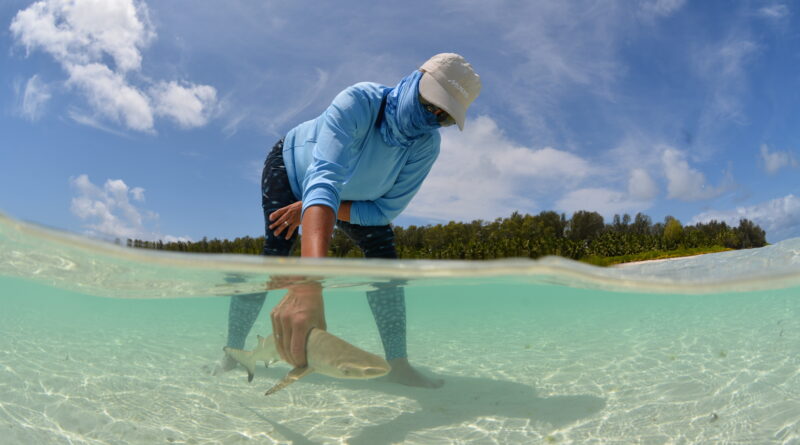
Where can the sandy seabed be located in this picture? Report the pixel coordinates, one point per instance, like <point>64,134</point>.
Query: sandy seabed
<point>568,366</point>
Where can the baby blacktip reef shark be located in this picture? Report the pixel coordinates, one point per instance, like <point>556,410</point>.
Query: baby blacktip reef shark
<point>326,353</point>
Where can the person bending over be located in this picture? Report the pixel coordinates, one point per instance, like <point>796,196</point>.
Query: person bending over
<point>356,166</point>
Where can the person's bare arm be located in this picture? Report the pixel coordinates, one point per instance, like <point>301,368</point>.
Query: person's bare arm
<point>302,309</point>
<point>318,221</point>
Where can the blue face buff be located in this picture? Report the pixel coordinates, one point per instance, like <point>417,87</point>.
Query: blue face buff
<point>405,119</point>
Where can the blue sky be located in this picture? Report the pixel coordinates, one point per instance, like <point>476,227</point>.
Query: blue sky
<point>133,118</point>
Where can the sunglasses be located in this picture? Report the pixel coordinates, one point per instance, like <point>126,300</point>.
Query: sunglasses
<point>442,117</point>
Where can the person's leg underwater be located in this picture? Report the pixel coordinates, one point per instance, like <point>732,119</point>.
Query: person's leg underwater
<point>388,304</point>
<point>276,193</point>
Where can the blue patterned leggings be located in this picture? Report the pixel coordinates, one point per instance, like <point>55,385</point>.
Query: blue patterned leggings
<point>387,301</point>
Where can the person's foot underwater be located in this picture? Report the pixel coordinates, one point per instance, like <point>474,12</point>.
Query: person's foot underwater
<point>403,373</point>
<point>226,364</point>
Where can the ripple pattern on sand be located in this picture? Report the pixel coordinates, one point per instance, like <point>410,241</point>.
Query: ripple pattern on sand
<point>522,364</point>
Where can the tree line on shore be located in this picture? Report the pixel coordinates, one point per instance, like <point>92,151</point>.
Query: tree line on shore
<point>583,235</point>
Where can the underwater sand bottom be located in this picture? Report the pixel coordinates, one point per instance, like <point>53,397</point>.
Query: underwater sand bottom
<point>617,369</point>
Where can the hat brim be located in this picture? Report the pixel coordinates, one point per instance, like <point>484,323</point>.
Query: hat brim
<point>434,93</point>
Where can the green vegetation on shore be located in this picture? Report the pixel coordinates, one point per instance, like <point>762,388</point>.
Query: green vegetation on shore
<point>584,237</point>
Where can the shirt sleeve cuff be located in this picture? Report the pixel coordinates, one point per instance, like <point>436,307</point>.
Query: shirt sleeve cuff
<point>320,196</point>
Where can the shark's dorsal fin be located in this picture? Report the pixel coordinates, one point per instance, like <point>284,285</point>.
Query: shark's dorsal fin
<point>293,376</point>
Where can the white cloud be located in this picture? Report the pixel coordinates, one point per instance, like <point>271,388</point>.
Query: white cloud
<point>137,193</point>
<point>641,186</point>
<point>111,96</point>
<point>774,12</point>
<point>175,239</point>
<point>107,209</point>
<point>776,160</point>
<point>604,197</point>
<point>780,217</point>
<point>108,212</point>
<point>189,105</point>
<point>545,163</point>
<point>78,32</point>
<point>635,151</point>
<point>605,201</point>
<point>481,174</point>
<point>34,99</point>
<point>684,182</point>
<point>84,36</point>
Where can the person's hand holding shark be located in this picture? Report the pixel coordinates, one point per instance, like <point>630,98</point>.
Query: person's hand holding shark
<point>301,310</point>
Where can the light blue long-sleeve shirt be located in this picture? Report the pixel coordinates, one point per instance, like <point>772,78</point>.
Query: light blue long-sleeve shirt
<point>341,156</point>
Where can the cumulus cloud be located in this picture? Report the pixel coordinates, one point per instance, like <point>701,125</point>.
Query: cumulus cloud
<point>604,201</point>
<point>684,182</point>
<point>109,212</point>
<point>776,160</point>
<point>641,186</point>
<point>641,192</point>
<point>78,32</point>
<point>34,99</point>
<point>481,174</point>
<point>111,96</point>
<point>545,163</point>
<point>85,36</point>
<point>780,217</point>
<point>189,105</point>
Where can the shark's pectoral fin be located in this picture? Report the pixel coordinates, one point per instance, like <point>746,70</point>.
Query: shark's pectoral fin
<point>293,375</point>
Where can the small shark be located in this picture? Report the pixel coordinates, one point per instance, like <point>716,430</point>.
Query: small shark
<point>326,353</point>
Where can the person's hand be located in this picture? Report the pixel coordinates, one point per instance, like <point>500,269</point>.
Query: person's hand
<point>286,219</point>
<point>293,318</point>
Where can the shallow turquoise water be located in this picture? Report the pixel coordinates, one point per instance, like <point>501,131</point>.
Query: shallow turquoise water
<point>100,344</point>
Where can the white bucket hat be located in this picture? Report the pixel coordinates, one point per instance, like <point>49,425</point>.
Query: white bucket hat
<point>451,84</point>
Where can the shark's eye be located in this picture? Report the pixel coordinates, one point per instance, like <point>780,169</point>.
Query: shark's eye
<point>346,371</point>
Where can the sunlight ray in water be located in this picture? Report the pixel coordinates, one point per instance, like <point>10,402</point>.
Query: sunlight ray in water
<point>102,343</point>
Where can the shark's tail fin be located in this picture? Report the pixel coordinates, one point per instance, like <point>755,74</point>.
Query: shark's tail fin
<point>245,358</point>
